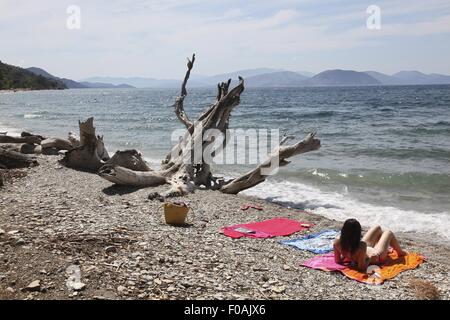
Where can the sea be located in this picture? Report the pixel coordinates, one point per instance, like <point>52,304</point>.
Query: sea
<point>384,159</point>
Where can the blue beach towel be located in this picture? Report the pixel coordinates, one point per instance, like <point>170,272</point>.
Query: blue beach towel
<point>321,242</point>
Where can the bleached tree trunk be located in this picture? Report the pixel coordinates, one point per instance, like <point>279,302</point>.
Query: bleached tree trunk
<point>124,176</point>
<point>181,170</point>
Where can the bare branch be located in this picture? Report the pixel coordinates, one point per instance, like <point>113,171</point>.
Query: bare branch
<point>179,102</point>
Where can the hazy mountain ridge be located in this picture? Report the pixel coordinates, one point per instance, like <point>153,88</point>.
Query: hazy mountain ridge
<point>259,77</point>
<point>72,84</point>
<point>101,85</point>
<point>194,81</point>
<point>267,77</point>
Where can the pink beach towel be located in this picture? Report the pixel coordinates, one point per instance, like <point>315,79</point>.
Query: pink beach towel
<point>324,262</point>
<point>266,229</point>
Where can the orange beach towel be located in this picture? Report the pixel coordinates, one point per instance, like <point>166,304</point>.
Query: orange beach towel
<point>388,270</point>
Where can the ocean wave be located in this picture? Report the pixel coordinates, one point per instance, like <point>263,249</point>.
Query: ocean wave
<point>320,174</point>
<point>318,114</point>
<point>421,131</point>
<point>431,182</point>
<point>340,206</point>
<point>387,110</point>
<point>32,116</point>
<point>407,153</point>
<point>430,131</point>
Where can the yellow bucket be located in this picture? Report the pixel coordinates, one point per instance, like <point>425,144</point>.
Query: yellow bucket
<point>175,213</point>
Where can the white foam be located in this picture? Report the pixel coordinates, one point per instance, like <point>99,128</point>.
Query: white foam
<point>31,116</point>
<point>9,130</point>
<point>320,174</point>
<point>340,207</point>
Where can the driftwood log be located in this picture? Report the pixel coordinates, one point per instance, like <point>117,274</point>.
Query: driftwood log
<point>180,169</point>
<point>11,159</point>
<point>36,144</point>
<point>53,146</point>
<point>130,159</point>
<point>30,148</point>
<point>28,134</point>
<point>25,139</point>
<point>57,143</point>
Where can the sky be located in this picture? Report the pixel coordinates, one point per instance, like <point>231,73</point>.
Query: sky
<point>153,38</point>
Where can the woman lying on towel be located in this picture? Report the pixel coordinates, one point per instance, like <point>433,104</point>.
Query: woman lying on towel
<point>373,248</point>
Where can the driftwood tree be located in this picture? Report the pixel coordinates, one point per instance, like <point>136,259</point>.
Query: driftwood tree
<point>89,153</point>
<point>180,169</point>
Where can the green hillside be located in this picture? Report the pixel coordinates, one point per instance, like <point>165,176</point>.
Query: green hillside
<point>12,77</point>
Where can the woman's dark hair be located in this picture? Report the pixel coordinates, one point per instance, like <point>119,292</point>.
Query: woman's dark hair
<point>350,235</point>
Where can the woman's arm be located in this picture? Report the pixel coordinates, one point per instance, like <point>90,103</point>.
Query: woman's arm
<point>337,251</point>
<point>362,261</point>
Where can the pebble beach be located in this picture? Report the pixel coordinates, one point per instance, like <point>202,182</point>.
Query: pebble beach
<point>55,220</point>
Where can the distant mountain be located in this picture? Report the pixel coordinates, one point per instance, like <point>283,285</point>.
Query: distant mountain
<point>410,78</point>
<point>100,85</point>
<point>246,73</point>
<point>269,77</point>
<point>306,73</point>
<point>137,82</point>
<point>12,77</point>
<point>436,78</point>
<point>194,81</point>
<point>384,78</point>
<point>341,78</point>
<point>416,77</point>
<point>276,79</point>
<point>71,84</point>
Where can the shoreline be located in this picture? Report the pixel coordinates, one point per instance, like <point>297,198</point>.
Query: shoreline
<point>417,235</point>
<point>18,90</point>
<point>59,217</point>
